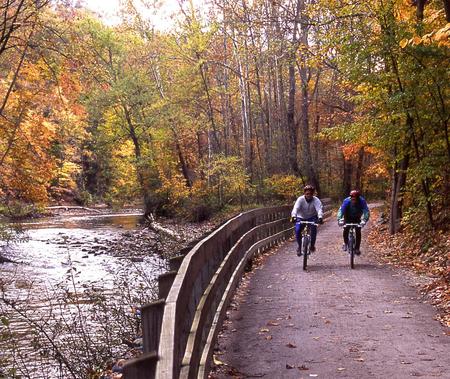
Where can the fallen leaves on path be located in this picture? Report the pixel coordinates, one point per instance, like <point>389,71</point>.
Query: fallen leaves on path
<point>425,252</point>
<point>217,361</point>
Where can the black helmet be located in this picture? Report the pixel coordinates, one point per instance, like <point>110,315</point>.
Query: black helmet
<point>308,187</point>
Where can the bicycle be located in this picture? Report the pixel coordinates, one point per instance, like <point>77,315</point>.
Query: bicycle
<point>351,245</point>
<point>305,247</point>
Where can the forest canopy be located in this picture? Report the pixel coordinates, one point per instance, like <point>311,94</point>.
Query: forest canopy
<point>240,102</point>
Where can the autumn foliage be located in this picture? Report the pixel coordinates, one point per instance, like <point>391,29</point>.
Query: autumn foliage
<point>243,104</point>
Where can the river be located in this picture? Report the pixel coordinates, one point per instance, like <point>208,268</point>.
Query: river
<point>83,242</point>
<point>109,253</point>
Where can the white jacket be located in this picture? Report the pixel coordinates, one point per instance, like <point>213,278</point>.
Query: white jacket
<point>303,209</point>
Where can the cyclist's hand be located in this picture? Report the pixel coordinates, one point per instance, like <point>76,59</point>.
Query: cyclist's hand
<point>362,223</point>
<point>320,221</point>
<point>293,219</point>
<point>341,222</point>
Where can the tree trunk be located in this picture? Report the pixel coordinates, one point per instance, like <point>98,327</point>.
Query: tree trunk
<point>16,73</point>
<point>347,177</point>
<point>359,169</point>
<point>217,147</point>
<point>149,201</point>
<point>398,184</point>
<point>304,77</point>
<point>184,166</point>
<point>447,9</point>
<point>420,6</point>
<point>292,125</point>
<point>279,92</point>
<point>244,106</point>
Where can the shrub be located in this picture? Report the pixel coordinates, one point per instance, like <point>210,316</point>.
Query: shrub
<point>283,187</point>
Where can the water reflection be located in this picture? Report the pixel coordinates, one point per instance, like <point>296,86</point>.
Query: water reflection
<point>83,242</point>
<point>127,221</point>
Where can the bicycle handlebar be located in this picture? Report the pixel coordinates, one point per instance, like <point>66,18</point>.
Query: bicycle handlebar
<point>307,222</point>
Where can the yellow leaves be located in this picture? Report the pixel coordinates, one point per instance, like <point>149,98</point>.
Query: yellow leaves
<point>217,361</point>
<point>443,34</point>
<point>440,37</point>
<point>67,175</point>
<point>173,186</point>
<point>284,187</point>
<point>404,11</point>
<point>433,16</point>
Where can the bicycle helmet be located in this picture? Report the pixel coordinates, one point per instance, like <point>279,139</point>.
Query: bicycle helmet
<point>308,187</point>
<point>354,193</point>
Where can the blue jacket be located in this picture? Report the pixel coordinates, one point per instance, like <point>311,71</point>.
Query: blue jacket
<point>362,210</point>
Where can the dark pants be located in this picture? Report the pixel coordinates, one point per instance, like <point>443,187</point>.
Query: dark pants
<point>299,228</point>
<point>357,234</point>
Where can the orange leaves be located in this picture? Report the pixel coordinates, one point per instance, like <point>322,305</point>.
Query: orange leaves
<point>350,151</point>
<point>26,167</point>
<point>377,170</point>
<point>39,112</point>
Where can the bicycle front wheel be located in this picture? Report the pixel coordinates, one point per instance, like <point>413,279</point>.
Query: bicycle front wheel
<point>351,250</point>
<point>305,251</point>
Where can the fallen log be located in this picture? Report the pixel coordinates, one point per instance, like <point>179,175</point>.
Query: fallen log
<point>158,228</point>
<point>68,207</point>
<point>5,260</point>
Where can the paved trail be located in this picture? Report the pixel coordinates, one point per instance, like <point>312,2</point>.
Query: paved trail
<point>331,321</point>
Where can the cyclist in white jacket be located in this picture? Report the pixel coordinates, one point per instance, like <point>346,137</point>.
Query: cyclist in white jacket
<point>307,208</point>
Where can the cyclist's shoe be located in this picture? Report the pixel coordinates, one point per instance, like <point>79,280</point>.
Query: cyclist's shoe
<point>312,249</point>
<point>358,252</point>
<point>299,251</point>
<point>344,247</point>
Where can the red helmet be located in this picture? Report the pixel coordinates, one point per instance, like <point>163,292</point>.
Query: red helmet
<point>308,187</point>
<point>354,193</point>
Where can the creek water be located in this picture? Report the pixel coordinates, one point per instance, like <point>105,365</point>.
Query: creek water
<point>93,249</point>
<point>83,242</point>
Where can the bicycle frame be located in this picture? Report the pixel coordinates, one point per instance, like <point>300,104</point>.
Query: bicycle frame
<point>306,240</point>
<point>352,241</point>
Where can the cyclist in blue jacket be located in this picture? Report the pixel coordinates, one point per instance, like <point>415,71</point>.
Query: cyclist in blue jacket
<point>353,210</point>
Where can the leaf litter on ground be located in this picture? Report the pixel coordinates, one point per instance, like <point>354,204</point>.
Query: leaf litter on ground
<point>424,252</point>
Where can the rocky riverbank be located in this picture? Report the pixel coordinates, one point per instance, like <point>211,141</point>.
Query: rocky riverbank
<point>106,265</point>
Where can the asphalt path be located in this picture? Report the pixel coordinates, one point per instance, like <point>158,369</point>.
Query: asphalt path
<point>330,321</point>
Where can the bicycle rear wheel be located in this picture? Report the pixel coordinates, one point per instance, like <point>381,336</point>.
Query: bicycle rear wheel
<point>305,251</point>
<point>351,250</point>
